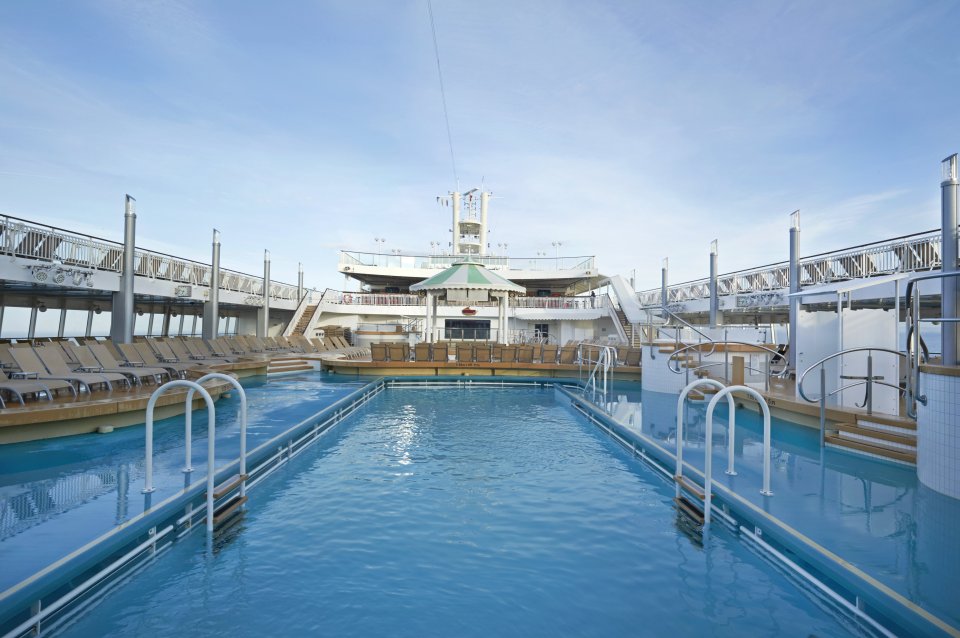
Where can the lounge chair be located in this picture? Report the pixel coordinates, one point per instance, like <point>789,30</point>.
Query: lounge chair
<point>88,363</point>
<point>20,387</point>
<point>53,358</point>
<point>107,360</point>
<point>525,354</point>
<point>633,357</point>
<point>31,364</point>
<point>508,354</point>
<point>549,354</point>
<point>378,352</point>
<point>421,352</point>
<point>399,352</point>
<point>482,353</point>
<point>439,353</point>
<point>194,350</point>
<point>176,351</point>
<point>464,353</point>
<point>144,354</point>
<point>568,354</point>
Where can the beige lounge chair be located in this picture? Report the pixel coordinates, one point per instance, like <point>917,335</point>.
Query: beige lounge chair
<point>378,352</point>
<point>106,359</point>
<point>482,353</point>
<point>421,352</point>
<point>549,354</point>
<point>464,353</point>
<point>30,364</point>
<point>568,354</point>
<point>52,357</point>
<point>20,387</point>
<point>439,353</point>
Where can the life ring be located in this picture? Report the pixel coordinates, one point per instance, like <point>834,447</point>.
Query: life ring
<point>347,299</point>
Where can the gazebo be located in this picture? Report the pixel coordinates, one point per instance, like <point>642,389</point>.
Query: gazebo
<point>467,282</point>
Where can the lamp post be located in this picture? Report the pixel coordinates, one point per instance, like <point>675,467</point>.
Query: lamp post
<point>556,247</point>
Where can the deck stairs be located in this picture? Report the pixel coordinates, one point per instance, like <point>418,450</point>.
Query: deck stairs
<point>634,335</point>
<point>288,365</point>
<point>690,502</point>
<point>888,437</point>
<point>305,319</point>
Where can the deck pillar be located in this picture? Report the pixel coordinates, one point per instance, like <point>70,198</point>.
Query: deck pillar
<point>263,323</point>
<point>794,276</point>
<point>121,316</point>
<point>664,274</point>
<point>211,308</point>
<point>950,291</point>
<point>714,292</point>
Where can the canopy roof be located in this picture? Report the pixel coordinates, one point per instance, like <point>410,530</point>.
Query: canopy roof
<point>468,276</point>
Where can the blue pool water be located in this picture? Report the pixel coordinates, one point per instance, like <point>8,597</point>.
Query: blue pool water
<point>437,512</point>
<point>57,495</point>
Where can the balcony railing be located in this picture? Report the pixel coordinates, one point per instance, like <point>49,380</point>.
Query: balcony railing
<point>911,253</point>
<point>22,238</point>
<point>340,297</point>
<point>439,262</point>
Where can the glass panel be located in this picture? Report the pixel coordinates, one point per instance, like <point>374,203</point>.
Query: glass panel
<point>48,323</point>
<point>101,324</point>
<point>16,322</point>
<point>140,324</point>
<point>76,324</point>
<point>157,330</point>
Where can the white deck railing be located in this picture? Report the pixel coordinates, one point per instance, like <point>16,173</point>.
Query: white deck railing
<point>29,240</point>
<point>439,262</point>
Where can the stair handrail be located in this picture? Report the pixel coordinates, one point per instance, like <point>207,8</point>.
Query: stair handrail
<point>708,456</point>
<point>607,355</point>
<point>869,380</point>
<point>681,403</point>
<point>151,404</point>
<point>674,357</point>
<point>913,329</point>
<point>243,440</point>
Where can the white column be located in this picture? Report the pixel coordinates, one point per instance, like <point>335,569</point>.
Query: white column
<point>428,316</point>
<point>503,319</point>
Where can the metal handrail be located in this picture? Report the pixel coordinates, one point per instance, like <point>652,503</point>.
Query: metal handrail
<point>868,381</point>
<point>913,328</point>
<point>603,364</point>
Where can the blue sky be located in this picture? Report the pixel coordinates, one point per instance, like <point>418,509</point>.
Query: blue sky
<point>629,130</point>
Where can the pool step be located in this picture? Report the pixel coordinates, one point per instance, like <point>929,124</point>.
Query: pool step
<point>229,485</point>
<point>689,510</point>
<point>690,486</point>
<point>870,446</point>
<point>228,510</point>
<point>288,365</point>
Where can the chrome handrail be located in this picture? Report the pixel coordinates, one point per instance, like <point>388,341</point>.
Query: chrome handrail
<point>913,328</point>
<point>868,381</point>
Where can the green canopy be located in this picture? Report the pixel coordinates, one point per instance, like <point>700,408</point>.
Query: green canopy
<point>468,276</point>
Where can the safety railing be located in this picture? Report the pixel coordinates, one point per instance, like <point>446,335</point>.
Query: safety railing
<point>868,380</point>
<point>915,346</point>
<point>675,363</point>
<point>910,253</point>
<point>723,393</point>
<point>597,360</point>
<point>71,251</point>
<point>350,259</point>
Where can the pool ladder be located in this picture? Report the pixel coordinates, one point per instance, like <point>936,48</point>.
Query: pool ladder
<point>692,501</point>
<point>236,484</point>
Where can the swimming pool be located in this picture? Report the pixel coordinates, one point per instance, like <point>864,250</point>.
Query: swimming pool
<point>444,511</point>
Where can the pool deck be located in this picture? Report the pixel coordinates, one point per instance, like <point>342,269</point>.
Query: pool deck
<point>65,416</point>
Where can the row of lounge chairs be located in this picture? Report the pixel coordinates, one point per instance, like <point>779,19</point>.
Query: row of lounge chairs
<point>487,353</point>
<point>49,368</point>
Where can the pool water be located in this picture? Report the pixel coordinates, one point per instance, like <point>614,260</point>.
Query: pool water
<point>59,494</point>
<point>435,512</point>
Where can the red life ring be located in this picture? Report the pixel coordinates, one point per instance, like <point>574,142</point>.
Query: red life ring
<point>347,299</point>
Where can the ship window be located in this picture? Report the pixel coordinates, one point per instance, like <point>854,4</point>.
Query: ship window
<point>467,329</point>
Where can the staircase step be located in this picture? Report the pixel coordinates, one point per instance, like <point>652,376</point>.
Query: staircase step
<point>876,449</point>
<point>228,509</point>
<point>301,368</point>
<point>689,510</point>
<point>690,486</point>
<point>881,435</point>
<point>229,485</point>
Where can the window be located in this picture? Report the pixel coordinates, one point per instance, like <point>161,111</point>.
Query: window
<point>48,323</point>
<point>467,329</point>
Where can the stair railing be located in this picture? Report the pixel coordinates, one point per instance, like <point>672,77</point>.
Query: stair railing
<point>708,460</point>
<point>913,329</point>
<point>673,363</point>
<point>869,380</point>
<point>681,404</point>
<point>606,357</point>
<point>195,387</point>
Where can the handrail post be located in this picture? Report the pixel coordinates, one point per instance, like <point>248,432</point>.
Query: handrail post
<point>823,404</point>
<point>870,384</point>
